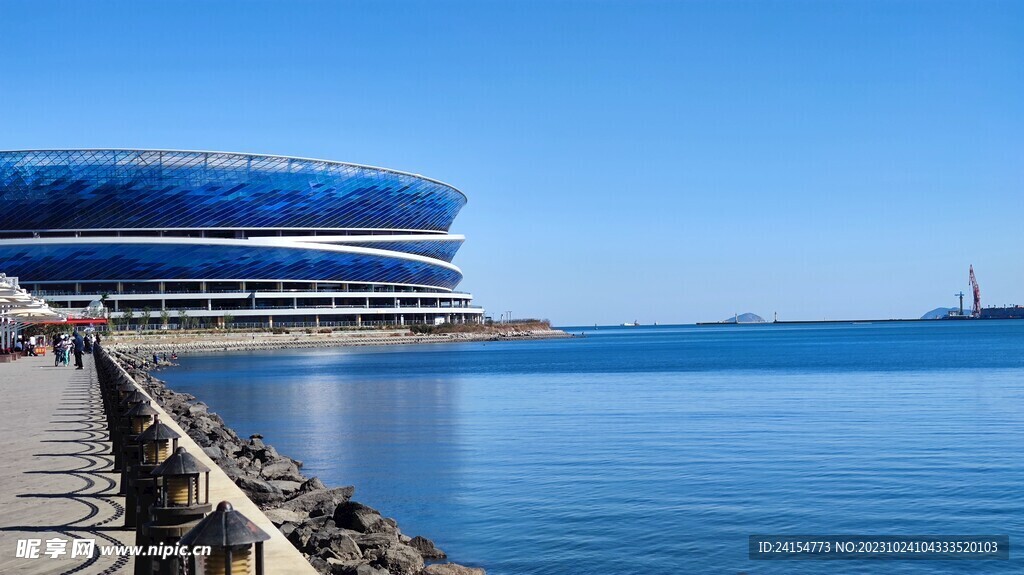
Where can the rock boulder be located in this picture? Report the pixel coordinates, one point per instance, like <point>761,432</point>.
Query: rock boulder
<point>451,569</point>
<point>356,516</point>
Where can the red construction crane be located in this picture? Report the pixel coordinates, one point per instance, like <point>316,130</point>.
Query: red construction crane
<point>976,311</point>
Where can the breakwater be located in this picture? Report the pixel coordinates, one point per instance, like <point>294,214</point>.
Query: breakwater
<point>207,342</point>
<point>335,533</point>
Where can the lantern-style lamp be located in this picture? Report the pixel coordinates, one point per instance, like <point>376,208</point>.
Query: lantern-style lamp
<point>136,420</point>
<point>233,541</point>
<point>140,417</point>
<point>178,481</point>
<point>158,442</point>
<point>125,388</point>
<point>127,401</point>
<point>109,389</point>
<point>182,499</point>
<point>113,394</point>
<point>155,445</point>
<point>132,397</point>
<point>122,427</point>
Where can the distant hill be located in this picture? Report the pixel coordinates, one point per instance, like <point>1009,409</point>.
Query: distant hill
<point>744,318</point>
<point>939,312</point>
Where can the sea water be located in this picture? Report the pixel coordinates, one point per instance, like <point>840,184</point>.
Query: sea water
<point>656,450</point>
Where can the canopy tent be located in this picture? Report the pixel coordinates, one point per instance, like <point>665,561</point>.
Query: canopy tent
<point>19,308</point>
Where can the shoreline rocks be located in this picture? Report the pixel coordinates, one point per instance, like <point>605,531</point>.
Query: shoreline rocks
<point>339,536</point>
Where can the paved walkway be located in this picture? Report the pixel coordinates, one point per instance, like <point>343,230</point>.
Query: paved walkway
<point>55,478</point>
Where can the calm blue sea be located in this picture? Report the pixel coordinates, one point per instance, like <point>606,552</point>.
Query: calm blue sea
<point>656,450</point>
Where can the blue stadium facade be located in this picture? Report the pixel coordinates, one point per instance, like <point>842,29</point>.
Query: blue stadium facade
<point>204,235</point>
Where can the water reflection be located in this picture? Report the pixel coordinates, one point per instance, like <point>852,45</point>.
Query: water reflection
<point>346,428</point>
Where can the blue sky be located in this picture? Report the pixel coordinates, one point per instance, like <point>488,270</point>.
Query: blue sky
<point>657,161</point>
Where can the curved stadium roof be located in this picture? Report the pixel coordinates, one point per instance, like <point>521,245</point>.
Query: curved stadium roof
<point>164,189</point>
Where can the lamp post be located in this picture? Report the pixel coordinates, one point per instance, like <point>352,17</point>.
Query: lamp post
<point>155,445</point>
<point>122,427</point>
<point>122,389</point>
<point>141,416</point>
<point>157,442</point>
<point>118,393</point>
<point>233,540</point>
<point>137,419</point>
<point>125,387</point>
<point>113,385</point>
<point>179,504</point>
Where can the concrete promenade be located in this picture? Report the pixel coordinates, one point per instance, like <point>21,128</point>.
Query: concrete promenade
<point>55,462</point>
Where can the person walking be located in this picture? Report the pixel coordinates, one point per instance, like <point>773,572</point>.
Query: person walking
<point>79,347</point>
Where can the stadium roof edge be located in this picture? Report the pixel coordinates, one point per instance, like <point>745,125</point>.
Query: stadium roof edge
<point>365,166</point>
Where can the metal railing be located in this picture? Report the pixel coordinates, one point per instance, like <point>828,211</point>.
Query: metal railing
<point>46,293</point>
<point>242,326</point>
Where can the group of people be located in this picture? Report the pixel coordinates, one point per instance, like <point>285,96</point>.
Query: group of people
<point>75,343</point>
<point>25,346</point>
<point>64,346</point>
<point>156,357</point>
<point>67,344</point>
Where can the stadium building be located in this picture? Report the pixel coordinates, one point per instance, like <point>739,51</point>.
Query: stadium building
<point>207,237</point>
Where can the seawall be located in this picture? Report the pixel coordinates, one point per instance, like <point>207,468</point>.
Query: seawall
<point>280,556</point>
<point>240,341</point>
<point>334,533</point>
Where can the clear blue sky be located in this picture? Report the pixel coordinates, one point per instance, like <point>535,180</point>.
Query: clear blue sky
<point>657,161</point>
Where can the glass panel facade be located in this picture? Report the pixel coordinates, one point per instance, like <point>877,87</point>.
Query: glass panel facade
<point>133,262</point>
<point>437,249</point>
<point>61,189</point>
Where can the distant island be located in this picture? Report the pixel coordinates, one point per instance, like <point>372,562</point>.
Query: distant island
<point>744,318</point>
<point>939,313</point>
